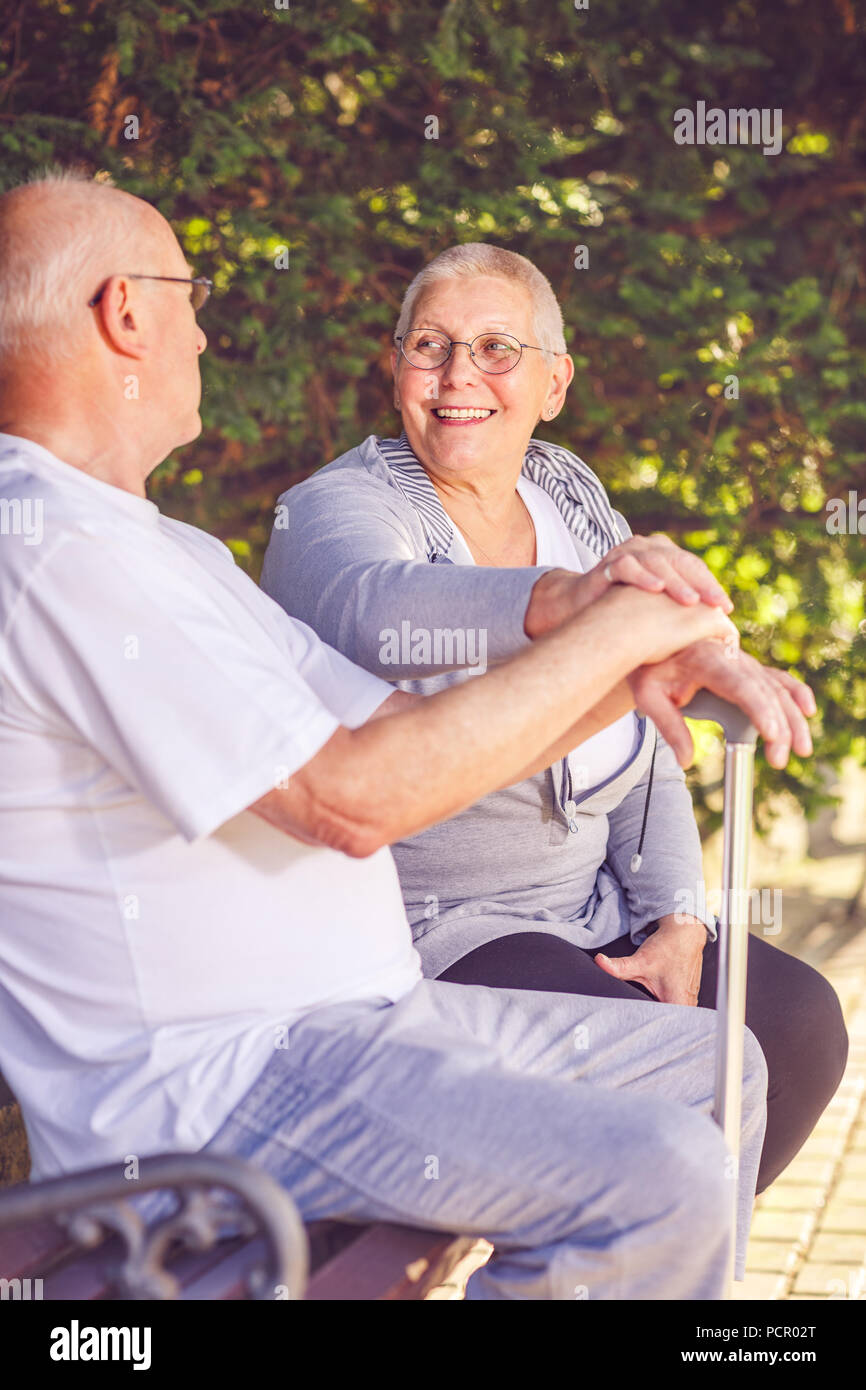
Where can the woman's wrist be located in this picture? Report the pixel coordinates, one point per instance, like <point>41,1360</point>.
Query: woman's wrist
<point>557,596</point>
<point>684,925</point>
<point>551,603</point>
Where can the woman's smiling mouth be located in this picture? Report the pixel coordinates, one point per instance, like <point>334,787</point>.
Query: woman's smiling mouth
<point>461,415</point>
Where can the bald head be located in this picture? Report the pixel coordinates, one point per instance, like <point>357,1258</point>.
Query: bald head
<point>61,237</point>
<point>110,386</point>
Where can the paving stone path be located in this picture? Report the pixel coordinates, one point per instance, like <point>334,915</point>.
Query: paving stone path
<point>809,1230</point>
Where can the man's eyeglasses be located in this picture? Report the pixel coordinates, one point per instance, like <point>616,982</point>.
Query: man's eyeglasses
<point>200,288</point>
<point>491,352</point>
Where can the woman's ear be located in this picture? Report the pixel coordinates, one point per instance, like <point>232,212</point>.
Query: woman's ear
<point>563,374</point>
<point>394,361</point>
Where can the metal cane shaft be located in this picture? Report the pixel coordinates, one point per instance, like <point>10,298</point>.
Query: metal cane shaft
<point>734,940</point>
<point>740,738</point>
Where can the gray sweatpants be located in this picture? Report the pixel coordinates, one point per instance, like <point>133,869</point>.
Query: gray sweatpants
<point>572,1132</point>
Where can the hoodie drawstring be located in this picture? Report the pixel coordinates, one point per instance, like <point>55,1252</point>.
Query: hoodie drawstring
<point>637,859</point>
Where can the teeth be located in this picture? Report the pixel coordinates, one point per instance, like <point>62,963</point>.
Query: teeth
<point>444,414</point>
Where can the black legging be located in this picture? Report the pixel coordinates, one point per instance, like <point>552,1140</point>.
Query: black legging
<point>792,1010</point>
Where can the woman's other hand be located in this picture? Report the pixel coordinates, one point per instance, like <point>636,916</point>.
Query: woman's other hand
<point>777,704</point>
<point>668,963</point>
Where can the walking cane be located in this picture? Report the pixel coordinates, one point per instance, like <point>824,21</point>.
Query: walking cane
<point>740,737</point>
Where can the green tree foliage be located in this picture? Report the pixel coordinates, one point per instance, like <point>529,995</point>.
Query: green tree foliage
<point>269,134</point>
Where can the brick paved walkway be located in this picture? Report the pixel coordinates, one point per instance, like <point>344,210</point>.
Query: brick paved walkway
<point>809,1231</point>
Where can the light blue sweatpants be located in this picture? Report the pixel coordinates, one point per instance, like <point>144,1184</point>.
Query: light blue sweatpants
<point>572,1132</point>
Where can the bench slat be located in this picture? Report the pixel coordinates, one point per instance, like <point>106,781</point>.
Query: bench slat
<point>379,1263</point>
<point>227,1279</point>
<point>388,1263</point>
<point>32,1250</point>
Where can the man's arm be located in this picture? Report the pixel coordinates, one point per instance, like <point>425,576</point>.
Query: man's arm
<point>777,703</point>
<point>393,777</point>
<point>604,712</point>
<point>400,700</point>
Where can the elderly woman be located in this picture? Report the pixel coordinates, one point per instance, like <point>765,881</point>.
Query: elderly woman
<point>426,557</point>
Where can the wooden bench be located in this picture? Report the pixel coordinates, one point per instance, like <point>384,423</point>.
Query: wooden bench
<point>82,1238</point>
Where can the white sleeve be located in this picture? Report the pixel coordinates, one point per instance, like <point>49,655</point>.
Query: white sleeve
<point>197,715</point>
<point>348,691</point>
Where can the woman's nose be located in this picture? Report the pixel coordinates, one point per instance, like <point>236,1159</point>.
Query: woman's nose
<point>460,366</point>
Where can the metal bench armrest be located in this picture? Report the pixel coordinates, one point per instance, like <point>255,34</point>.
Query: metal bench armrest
<point>95,1204</point>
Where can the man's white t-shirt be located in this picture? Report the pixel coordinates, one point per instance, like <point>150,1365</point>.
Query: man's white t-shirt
<point>598,758</point>
<point>155,936</point>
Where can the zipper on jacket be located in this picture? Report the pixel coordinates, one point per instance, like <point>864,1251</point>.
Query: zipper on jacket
<point>570,807</point>
<point>591,791</point>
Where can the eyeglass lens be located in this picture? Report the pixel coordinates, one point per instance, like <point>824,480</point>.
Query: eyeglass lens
<point>198,294</point>
<point>493,352</point>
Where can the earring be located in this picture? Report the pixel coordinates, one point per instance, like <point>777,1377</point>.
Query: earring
<point>550,412</point>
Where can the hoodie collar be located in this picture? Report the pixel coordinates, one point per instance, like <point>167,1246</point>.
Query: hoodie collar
<point>579,496</point>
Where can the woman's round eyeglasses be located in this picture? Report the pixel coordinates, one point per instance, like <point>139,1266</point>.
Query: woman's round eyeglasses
<point>491,352</point>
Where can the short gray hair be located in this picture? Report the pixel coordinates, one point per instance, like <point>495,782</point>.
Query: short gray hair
<point>479,258</point>
<point>47,274</point>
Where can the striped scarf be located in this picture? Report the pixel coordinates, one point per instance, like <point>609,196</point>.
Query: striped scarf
<point>577,492</point>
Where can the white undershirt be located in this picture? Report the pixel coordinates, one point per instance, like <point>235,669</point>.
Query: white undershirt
<point>604,754</point>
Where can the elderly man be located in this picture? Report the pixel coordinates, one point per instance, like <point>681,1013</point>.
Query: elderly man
<point>202,939</point>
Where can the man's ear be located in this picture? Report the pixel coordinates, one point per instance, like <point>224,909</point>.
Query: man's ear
<point>120,317</point>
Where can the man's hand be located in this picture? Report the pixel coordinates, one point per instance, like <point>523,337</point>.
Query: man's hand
<point>668,963</point>
<point>653,563</point>
<point>775,702</point>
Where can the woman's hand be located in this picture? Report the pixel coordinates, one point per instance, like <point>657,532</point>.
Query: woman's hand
<point>653,563</point>
<point>776,703</point>
<point>669,962</point>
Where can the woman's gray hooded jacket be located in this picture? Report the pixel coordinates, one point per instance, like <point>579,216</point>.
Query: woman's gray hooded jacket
<point>360,550</point>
